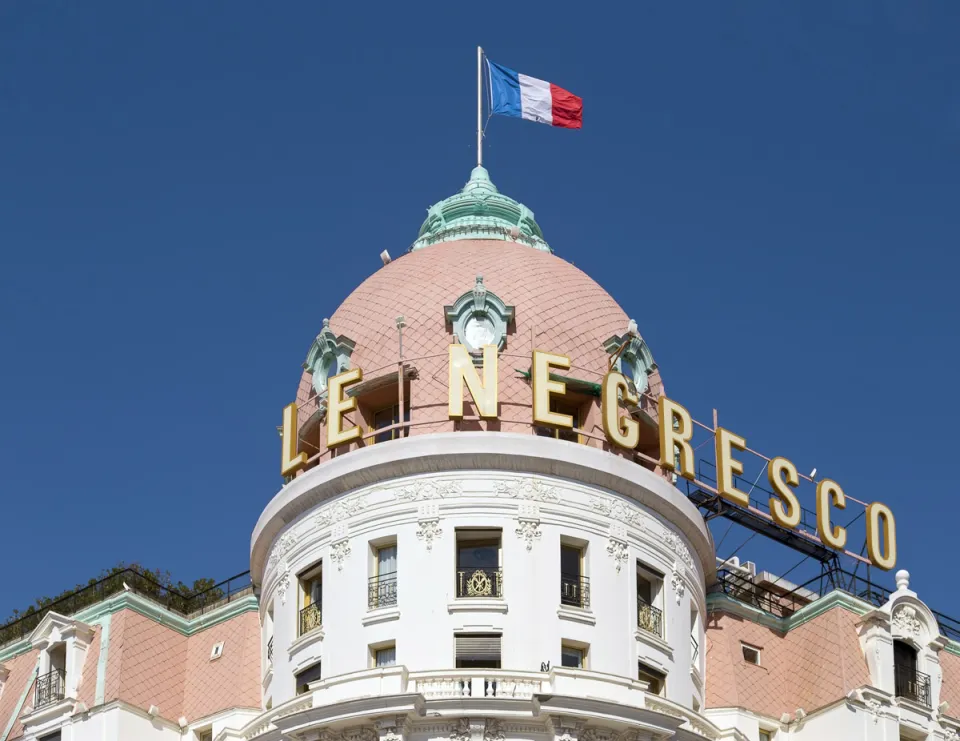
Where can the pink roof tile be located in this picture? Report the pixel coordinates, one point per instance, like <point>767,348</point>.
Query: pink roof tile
<point>21,669</point>
<point>813,665</point>
<point>153,658</point>
<point>950,688</point>
<point>559,308</point>
<point>233,680</point>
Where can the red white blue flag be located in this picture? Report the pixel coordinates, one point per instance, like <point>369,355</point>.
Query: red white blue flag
<point>521,96</point>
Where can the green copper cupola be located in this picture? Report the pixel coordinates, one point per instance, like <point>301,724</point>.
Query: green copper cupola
<point>480,211</point>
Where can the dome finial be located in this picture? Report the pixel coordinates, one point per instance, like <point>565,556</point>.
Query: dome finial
<point>480,211</point>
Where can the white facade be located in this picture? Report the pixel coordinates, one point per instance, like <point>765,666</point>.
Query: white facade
<point>531,495</point>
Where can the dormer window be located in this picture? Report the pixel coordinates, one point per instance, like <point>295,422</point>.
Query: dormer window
<point>633,358</point>
<point>63,643</point>
<point>329,355</point>
<point>479,318</point>
<point>51,685</point>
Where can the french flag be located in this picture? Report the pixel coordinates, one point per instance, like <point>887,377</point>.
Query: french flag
<point>520,96</point>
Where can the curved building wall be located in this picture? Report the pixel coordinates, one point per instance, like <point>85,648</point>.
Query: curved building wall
<point>529,494</point>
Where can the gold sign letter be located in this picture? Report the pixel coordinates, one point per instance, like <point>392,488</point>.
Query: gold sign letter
<point>829,492</point>
<point>875,513</point>
<point>337,406</point>
<point>622,431</point>
<point>790,516</point>
<point>543,387</point>
<point>290,460</point>
<point>671,413</point>
<point>463,373</point>
<point>728,467</point>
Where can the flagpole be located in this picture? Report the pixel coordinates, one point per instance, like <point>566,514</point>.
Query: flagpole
<point>479,107</point>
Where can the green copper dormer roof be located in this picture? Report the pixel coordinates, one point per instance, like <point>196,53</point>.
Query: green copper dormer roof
<point>480,211</point>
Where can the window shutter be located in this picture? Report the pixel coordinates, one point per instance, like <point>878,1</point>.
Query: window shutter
<point>478,647</point>
<point>311,674</point>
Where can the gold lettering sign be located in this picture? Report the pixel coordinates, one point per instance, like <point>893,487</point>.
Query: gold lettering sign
<point>728,466</point>
<point>622,430</point>
<point>880,521</point>
<point>290,460</point>
<point>463,373</point>
<point>543,387</point>
<point>829,493</point>
<point>338,406</point>
<point>782,474</point>
<point>676,431</point>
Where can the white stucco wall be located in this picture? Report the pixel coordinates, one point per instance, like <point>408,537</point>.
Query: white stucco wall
<point>534,510</point>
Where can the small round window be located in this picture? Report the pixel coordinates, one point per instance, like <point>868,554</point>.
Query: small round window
<point>325,371</point>
<point>479,331</point>
<point>634,371</point>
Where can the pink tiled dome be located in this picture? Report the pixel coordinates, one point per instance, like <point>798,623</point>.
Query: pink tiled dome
<point>558,308</point>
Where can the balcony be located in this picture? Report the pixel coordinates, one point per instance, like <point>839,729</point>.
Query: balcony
<point>435,685</point>
<point>382,591</point>
<point>270,650</point>
<point>911,684</point>
<point>50,689</point>
<point>311,618</point>
<point>694,650</point>
<point>479,582</point>
<point>649,618</point>
<point>574,590</point>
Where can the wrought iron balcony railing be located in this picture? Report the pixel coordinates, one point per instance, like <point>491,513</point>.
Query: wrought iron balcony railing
<point>50,689</point>
<point>694,650</point>
<point>311,617</point>
<point>382,590</point>
<point>574,590</point>
<point>270,650</point>
<point>649,618</point>
<point>911,684</point>
<point>479,582</point>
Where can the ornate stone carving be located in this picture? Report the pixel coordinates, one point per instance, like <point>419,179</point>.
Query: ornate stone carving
<point>461,730</point>
<point>281,549</point>
<point>907,621</point>
<point>422,489</point>
<point>282,585</point>
<point>339,552</point>
<point>532,489</point>
<point>492,731</point>
<point>873,707</point>
<point>566,729</point>
<point>617,549</point>
<point>528,521</point>
<point>341,510</point>
<point>949,734</point>
<point>360,733</point>
<point>675,543</point>
<point>676,581</point>
<point>618,511</point>
<point>597,734</point>
<point>428,531</point>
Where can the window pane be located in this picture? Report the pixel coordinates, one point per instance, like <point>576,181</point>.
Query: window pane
<point>476,555</point>
<point>386,560</point>
<point>387,656</point>
<point>569,560</point>
<point>644,590</point>
<point>572,657</point>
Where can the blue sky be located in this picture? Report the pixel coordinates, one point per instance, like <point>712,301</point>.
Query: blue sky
<point>188,189</point>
